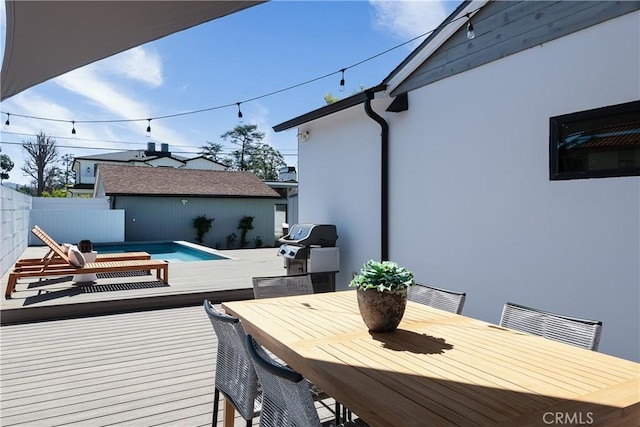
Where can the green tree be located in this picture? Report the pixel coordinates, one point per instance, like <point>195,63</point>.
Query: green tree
<point>25,189</point>
<point>265,162</point>
<point>5,166</point>
<point>247,137</point>
<point>58,192</point>
<point>213,151</point>
<point>56,180</point>
<point>253,155</point>
<point>40,165</point>
<point>330,99</point>
<point>69,175</point>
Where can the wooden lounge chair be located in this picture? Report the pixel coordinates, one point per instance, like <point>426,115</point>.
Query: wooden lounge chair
<point>64,267</point>
<point>51,258</point>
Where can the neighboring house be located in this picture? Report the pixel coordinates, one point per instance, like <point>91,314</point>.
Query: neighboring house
<point>287,208</point>
<point>86,167</point>
<point>452,166</point>
<point>161,203</point>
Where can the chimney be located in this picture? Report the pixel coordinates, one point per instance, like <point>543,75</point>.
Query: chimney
<point>164,147</point>
<point>287,173</point>
<point>151,147</point>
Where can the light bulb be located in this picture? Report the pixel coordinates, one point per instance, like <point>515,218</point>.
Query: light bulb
<point>470,33</point>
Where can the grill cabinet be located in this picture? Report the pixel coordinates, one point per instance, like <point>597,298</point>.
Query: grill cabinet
<point>311,248</point>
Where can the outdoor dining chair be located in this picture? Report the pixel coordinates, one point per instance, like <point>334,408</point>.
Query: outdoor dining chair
<point>443,299</point>
<point>285,286</point>
<point>579,332</point>
<point>282,286</point>
<point>287,401</point>
<point>235,376</point>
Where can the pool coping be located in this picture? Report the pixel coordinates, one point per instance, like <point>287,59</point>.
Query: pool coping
<point>191,245</point>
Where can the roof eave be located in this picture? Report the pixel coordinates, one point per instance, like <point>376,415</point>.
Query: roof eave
<point>327,110</point>
<point>217,196</point>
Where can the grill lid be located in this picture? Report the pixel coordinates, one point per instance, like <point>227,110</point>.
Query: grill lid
<point>311,234</point>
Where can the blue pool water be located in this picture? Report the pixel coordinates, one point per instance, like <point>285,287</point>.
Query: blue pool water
<point>167,251</point>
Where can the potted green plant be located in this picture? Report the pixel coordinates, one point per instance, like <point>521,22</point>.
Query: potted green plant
<point>382,294</point>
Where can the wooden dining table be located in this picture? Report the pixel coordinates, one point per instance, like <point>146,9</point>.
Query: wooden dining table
<point>440,368</point>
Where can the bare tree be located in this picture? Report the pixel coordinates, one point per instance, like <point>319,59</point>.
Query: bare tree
<point>41,164</point>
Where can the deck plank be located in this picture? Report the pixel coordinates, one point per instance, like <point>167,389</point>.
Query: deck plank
<point>135,362</point>
<point>189,283</point>
<point>134,369</point>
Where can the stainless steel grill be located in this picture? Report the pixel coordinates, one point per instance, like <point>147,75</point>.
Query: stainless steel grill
<point>311,248</point>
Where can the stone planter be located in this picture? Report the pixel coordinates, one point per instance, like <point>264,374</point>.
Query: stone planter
<point>382,311</point>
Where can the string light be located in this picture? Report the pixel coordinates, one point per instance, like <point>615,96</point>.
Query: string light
<point>7,123</point>
<point>73,127</point>
<point>470,35</point>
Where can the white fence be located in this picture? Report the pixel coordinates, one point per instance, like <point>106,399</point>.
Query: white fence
<point>64,219</point>
<point>14,215</point>
<point>74,219</point>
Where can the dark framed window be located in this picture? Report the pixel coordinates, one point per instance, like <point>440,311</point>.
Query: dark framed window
<point>599,143</point>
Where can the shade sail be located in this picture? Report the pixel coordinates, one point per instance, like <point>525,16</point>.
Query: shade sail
<point>48,38</point>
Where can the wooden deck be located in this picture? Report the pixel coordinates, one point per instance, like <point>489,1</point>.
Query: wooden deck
<point>189,284</point>
<point>148,365</point>
<point>146,368</point>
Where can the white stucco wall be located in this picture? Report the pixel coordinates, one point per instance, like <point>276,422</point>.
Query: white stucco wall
<point>85,171</point>
<point>339,183</point>
<point>165,162</point>
<point>472,206</point>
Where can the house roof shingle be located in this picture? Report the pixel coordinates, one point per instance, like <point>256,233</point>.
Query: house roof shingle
<point>159,181</point>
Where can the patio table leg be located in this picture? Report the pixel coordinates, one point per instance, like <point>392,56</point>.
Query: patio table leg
<point>229,414</point>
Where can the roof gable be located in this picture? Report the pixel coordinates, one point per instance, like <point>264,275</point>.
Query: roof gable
<point>129,156</point>
<point>205,160</point>
<point>502,28</point>
<point>136,180</point>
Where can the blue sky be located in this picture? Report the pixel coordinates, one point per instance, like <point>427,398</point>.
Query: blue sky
<point>235,58</point>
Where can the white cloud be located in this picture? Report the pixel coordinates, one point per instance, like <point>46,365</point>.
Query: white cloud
<point>89,84</point>
<point>117,97</point>
<point>140,64</point>
<point>408,19</point>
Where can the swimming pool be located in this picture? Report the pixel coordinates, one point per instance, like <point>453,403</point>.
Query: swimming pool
<point>177,251</point>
